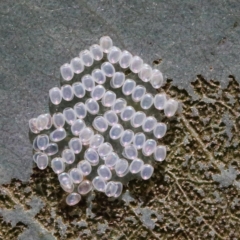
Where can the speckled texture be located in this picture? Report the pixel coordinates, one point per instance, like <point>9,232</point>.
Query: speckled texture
<point>195,193</point>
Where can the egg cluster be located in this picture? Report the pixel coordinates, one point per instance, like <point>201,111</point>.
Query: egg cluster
<point>103,168</point>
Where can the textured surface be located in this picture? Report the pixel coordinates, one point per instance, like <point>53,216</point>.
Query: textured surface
<point>196,191</point>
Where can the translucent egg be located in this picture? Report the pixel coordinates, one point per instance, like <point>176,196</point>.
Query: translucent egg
<point>136,166</point>
<point>70,115</point>
<point>55,95</point>
<point>58,135</point>
<point>33,125</point>
<point>91,156</point>
<point>85,187</point>
<point>85,135</point>
<point>149,147</point>
<point>138,93</point>
<point>125,59</point>
<point>146,73</point>
<point>159,130</point>
<point>96,141</point>
<point>35,156</point>
<point>111,189</point>
<point>114,54</point>
<point>85,167</point>
<point>68,156</point>
<point>64,179</point>
<point>97,52</point>
<point>100,124</point>
<point>66,72</point>
<point>65,182</point>
<point>68,189</point>
<point>86,57</point>
<point>111,117</point>
<point>122,167</point>
<point>76,175</point>
<point>106,43</point>
<point>127,113</point>
<point>104,149</point>
<point>42,122</point>
<point>99,76</point>
<point>160,153</point>
<point>170,107</point>
<point>98,92</point>
<point>138,140</point>
<point>108,69</point>
<point>119,105</point>
<point>160,100</point>
<point>73,199</point>
<point>52,149</point>
<point>127,137</point>
<point>77,126</point>
<point>149,124</point>
<point>92,106</point>
<point>42,141</point>
<point>116,131</point>
<point>77,65</point>
<point>117,80</point>
<point>80,110</point>
<point>78,90</point>
<point>58,165</point>
<point>146,171</point>
<point>138,119</point>
<point>75,144</point>
<point>88,82</point>
<point>156,79</point>
<point>136,64</point>
<point>111,160</point>
<point>130,152</point>
<point>119,189</point>
<point>108,99</point>
<point>104,172</point>
<point>42,161</point>
<point>99,184</point>
<point>147,101</point>
<point>128,87</point>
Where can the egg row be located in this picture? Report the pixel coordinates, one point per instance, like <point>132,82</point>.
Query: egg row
<point>114,55</point>
<point>84,168</point>
<point>111,189</point>
<point>129,87</point>
<point>100,123</point>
